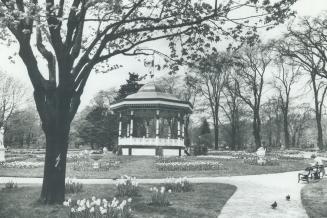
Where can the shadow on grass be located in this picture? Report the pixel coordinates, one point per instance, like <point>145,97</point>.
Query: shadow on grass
<point>314,198</point>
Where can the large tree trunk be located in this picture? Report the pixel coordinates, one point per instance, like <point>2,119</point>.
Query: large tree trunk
<point>54,109</point>
<point>53,188</point>
<point>216,131</point>
<point>257,129</point>
<point>319,131</point>
<point>286,131</point>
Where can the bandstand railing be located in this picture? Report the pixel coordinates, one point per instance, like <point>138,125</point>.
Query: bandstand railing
<point>150,141</point>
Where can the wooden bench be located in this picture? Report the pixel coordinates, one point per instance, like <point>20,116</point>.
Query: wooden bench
<point>305,174</point>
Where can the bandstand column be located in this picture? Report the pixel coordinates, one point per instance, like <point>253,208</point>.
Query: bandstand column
<point>179,126</point>
<point>119,132</point>
<point>131,124</point>
<point>182,127</point>
<point>157,124</point>
<point>147,129</point>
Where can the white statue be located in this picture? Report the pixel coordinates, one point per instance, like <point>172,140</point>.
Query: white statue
<point>261,152</point>
<point>2,147</point>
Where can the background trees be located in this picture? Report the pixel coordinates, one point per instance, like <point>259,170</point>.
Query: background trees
<point>12,94</point>
<point>252,66</point>
<point>287,74</point>
<point>305,43</point>
<point>211,73</point>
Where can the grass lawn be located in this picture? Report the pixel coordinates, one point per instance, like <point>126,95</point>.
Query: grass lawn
<point>314,198</point>
<point>206,200</point>
<point>143,167</point>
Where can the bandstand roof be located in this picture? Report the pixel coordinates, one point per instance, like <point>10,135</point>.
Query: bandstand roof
<point>152,96</point>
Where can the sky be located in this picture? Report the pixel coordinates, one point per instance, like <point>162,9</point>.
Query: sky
<point>114,78</point>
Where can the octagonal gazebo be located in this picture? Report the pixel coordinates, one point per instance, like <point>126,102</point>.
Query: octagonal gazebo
<point>151,122</point>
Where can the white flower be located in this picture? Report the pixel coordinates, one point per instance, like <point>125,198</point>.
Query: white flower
<point>66,203</point>
<point>93,198</point>
<point>104,211</point>
<point>129,200</point>
<point>88,205</point>
<point>72,210</point>
<point>169,190</point>
<point>92,210</point>
<point>98,202</point>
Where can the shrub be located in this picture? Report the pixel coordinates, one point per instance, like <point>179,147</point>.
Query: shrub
<point>200,150</point>
<point>159,198</point>
<point>72,186</point>
<point>313,156</point>
<point>178,185</point>
<point>11,185</point>
<point>97,208</point>
<point>127,187</point>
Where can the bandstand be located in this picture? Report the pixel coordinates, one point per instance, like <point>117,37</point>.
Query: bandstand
<point>151,122</point>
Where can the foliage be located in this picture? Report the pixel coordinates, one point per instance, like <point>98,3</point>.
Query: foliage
<point>178,185</point>
<point>200,149</point>
<point>159,197</point>
<point>99,208</point>
<point>11,185</point>
<point>204,128</point>
<point>23,129</point>
<point>73,186</point>
<point>132,85</point>
<point>99,128</point>
<point>127,187</point>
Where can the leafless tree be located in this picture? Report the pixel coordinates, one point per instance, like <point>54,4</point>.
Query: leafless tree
<point>11,96</point>
<point>252,66</point>
<point>285,77</point>
<point>233,109</point>
<point>305,43</point>
<point>212,73</point>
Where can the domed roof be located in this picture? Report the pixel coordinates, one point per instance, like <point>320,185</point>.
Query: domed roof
<point>152,95</point>
<point>150,87</point>
<point>151,91</point>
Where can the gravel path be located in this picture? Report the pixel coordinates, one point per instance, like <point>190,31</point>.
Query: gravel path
<point>252,199</point>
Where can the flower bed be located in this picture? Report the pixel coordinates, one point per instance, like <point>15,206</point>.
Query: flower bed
<point>17,158</point>
<point>99,208</point>
<point>188,166</point>
<point>178,185</point>
<point>127,187</point>
<point>159,198</point>
<point>21,164</point>
<point>267,161</point>
<point>84,165</point>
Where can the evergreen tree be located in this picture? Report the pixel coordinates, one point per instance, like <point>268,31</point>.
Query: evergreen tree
<point>132,86</point>
<point>204,128</point>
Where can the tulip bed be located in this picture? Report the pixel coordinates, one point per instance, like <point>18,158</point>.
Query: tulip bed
<point>189,166</point>
<point>21,164</point>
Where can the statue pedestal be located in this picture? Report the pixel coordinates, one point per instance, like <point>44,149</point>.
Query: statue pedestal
<point>2,154</point>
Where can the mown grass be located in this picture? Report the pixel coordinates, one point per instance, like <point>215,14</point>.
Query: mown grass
<point>207,200</point>
<point>314,198</point>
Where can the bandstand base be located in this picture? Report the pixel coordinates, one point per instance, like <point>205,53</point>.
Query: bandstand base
<point>152,151</point>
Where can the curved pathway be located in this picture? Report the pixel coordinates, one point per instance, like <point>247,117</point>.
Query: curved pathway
<point>252,199</point>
